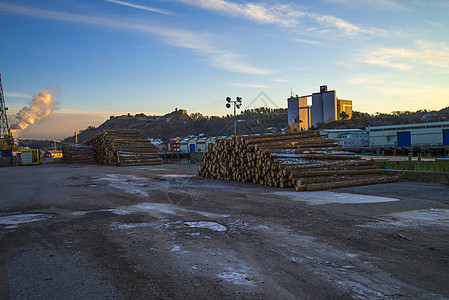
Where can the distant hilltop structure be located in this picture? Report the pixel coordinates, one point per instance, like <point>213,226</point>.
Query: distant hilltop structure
<point>325,107</point>
<point>181,111</point>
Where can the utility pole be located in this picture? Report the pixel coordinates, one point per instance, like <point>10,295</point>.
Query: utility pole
<point>237,103</point>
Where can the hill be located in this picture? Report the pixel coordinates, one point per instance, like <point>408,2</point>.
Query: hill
<point>251,121</point>
<point>362,120</point>
<point>180,124</point>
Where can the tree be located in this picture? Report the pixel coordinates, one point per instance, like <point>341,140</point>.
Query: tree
<point>196,116</point>
<point>344,115</point>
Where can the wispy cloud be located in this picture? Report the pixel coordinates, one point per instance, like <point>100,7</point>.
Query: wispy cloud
<point>423,53</point>
<point>432,3</point>
<point>378,4</point>
<point>435,24</point>
<point>197,42</point>
<point>345,27</point>
<point>17,95</point>
<point>307,41</point>
<point>250,85</point>
<point>141,7</point>
<point>259,13</point>
<point>401,94</point>
<point>287,16</point>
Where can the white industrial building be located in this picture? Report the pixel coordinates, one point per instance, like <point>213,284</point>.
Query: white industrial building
<point>420,134</point>
<point>348,138</point>
<point>325,107</point>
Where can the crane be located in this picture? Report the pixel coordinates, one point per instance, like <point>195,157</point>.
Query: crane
<point>6,138</point>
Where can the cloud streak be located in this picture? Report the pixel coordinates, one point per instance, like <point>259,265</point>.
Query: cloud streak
<point>403,59</point>
<point>199,43</point>
<point>250,85</point>
<point>286,16</point>
<point>141,7</point>
<point>404,92</point>
<point>378,4</point>
<point>16,95</point>
<point>345,27</point>
<point>258,13</point>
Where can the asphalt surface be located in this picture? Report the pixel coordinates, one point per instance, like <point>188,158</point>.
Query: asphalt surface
<point>161,232</point>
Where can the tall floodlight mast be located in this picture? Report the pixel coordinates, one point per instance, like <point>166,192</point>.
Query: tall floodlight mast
<point>237,103</point>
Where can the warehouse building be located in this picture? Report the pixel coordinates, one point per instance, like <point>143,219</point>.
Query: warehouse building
<point>421,134</point>
<point>196,144</point>
<point>348,138</point>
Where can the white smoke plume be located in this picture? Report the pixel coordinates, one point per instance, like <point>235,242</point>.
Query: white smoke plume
<point>40,108</point>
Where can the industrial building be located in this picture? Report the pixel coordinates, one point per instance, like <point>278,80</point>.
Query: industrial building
<point>420,134</point>
<point>348,138</point>
<point>325,107</point>
<point>197,144</point>
<point>299,113</point>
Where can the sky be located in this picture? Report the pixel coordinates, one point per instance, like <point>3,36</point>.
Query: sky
<point>113,57</point>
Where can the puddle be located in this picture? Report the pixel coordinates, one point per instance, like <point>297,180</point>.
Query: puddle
<point>427,215</point>
<point>177,176</point>
<point>155,210</point>
<point>205,224</point>
<point>326,197</point>
<point>14,221</point>
<point>214,226</point>
<point>414,218</point>
<point>175,249</point>
<point>240,277</point>
<point>124,226</point>
<point>129,183</point>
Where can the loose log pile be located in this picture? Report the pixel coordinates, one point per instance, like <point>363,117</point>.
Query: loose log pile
<point>78,154</point>
<point>303,160</point>
<point>123,148</point>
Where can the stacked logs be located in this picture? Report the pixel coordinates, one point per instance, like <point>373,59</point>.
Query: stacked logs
<point>303,160</point>
<point>78,154</point>
<point>123,148</point>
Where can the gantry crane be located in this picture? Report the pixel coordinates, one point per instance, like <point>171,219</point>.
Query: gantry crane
<point>6,138</point>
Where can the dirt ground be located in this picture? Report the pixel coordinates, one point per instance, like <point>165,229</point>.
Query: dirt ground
<point>90,232</point>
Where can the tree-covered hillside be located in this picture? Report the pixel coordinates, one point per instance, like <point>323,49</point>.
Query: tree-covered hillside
<point>251,121</point>
<point>177,124</point>
<point>362,120</point>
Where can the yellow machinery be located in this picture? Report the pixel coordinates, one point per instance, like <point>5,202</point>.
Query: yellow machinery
<point>29,157</point>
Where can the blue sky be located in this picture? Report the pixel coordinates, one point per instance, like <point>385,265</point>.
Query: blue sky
<point>111,57</point>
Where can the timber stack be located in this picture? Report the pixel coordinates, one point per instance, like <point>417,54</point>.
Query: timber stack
<point>304,160</point>
<point>78,154</point>
<point>123,148</point>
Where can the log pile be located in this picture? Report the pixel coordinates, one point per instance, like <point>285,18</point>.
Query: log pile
<point>123,148</point>
<point>78,154</point>
<point>303,160</point>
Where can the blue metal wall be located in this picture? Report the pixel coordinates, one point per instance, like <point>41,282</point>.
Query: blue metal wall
<point>446,137</point>
<point>404,139</point>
